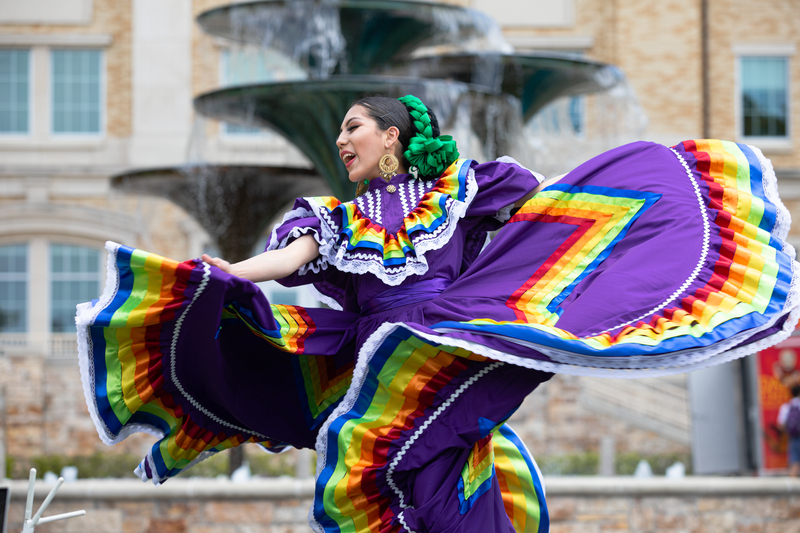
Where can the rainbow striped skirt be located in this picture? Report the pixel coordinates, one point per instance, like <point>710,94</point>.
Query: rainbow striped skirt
<point>646,260</point>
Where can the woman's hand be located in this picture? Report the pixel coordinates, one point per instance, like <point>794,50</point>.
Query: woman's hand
<point>271,265</point>
<point>217,262</point>
<point>542,185</point>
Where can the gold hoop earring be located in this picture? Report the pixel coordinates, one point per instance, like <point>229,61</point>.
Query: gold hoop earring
<point>388,166</point>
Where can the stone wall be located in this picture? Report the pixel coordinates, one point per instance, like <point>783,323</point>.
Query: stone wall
<point>46,414</point>
<point>45,410</point>
<point>577,505</point>
<point>557,418</point>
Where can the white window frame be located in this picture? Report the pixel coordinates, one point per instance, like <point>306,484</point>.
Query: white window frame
<point>103,95</point>
<point>40,136</point>
<point>40,225</point>
<point>771,144</point>
<point>31,92</point>
<point>26,277</point>
<point>39,334</point>
<point>52,276</point>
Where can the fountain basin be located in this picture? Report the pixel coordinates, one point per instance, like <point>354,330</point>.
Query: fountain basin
<point>232,203</point>
<point>309,113</point>
<point>536,79</point>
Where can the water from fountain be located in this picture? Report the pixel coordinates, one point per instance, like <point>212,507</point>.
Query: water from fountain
<point>453,58</point>
<point>572,130</point>
<point>329,37</point>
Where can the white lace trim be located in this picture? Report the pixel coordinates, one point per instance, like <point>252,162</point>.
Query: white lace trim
<point>783,220</point>
<point>324,298</point>
<point>428,421</point>
<point>378,208</point>
<point>510,160</point>
<point>700,262</point>
<point>770,183</point>
<point>300,212</point>
<point>317,264</point>
<point>85,317</point>
<point>504,213</point>
<point>680,362</point>
<point>364,356</point>
<point>173,372</point>
<point>141,473</point>
<point>325,241</point>
<point>362,263</point>
<point>693,360</point>
<point>617,367</point>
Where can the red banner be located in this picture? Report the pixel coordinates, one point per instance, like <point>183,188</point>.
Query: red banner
<point>778,371</point>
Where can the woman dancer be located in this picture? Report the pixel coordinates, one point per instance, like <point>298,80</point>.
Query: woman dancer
<point>645,260</point>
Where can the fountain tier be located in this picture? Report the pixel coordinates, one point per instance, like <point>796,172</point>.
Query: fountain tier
<point>232,203</point>
<point>535,79</point>
<point>353,36</point>
<point>309,113</point>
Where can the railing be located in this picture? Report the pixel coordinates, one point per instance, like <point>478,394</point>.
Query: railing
<point>9,340</point>
<point>58,344</point>
<point>63,345</point>
<point>654,400</point>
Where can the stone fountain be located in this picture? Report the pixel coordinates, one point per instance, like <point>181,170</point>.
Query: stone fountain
<point>233,203</point>
<point>454,58</point>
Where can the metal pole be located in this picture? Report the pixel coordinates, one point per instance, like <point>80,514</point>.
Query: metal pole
<point>608,465</point>
<point>235,459</point>
<point>29,501</point>
<point>303,466</point>
<point>3,464</point>
<point>705,64</point>
<point>31,522</point>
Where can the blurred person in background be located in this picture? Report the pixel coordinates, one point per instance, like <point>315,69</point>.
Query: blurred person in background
<point>789,421</point>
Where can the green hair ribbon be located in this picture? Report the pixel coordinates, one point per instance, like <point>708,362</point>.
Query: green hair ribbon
<point>431,155</point>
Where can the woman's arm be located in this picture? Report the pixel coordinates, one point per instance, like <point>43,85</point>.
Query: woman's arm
<point>542,185</point>
<point>271,265</point>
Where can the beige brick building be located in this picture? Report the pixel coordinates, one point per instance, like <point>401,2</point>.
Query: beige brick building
<point>133,67</point>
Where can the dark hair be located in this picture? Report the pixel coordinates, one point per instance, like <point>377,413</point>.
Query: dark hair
<point>796,391</point>
<point>388,112</point>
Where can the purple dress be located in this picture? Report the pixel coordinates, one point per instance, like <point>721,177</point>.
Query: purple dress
<point>643,261</point>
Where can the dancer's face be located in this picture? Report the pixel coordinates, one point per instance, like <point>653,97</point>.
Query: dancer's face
<point>362,144</point>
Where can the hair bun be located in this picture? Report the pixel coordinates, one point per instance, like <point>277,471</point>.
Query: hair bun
<point>427,150</point>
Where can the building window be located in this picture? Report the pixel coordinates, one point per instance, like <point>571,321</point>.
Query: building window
<point>576,114</point>
<point>77,91</point>
<point>13,288</point>
<point>284,297</point>
<point>14,91</point>
<point>564,116</point>
<point>765,93</point>
<point>75,278</point>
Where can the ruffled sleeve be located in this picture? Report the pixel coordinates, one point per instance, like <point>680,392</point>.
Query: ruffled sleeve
<point>501,184</point>
<point>329,285</point>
